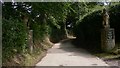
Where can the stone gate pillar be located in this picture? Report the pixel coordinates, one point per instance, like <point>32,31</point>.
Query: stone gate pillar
<point>30,40</point>
<point>107,39</point>
<point>107,34</point>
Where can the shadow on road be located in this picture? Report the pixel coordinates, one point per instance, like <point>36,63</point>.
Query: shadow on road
<point>69,46</point>
<point>88,46</point>
<point>68,54</point>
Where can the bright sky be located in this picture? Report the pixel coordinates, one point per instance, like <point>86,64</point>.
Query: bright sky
<point>1,1</point>
<point>13,1</point>
<point>106,2</point>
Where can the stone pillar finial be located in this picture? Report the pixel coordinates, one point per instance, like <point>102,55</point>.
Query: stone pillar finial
<point>105,19</point>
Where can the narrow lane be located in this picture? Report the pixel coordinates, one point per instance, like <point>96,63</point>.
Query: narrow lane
<point>65,54</point>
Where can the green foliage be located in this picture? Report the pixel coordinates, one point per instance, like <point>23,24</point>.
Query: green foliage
<point>14,37</point>
<point>88,31</point>
<point>51,15</point>
<point>54,29</point>
<point>15,32</point>
<point>114,19</point>
<point>39,31</point>
<point>57,10</point>
<point>50,20</point>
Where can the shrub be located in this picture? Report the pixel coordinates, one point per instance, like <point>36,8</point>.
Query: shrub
<point>14,38</point>
<point>88,31</point>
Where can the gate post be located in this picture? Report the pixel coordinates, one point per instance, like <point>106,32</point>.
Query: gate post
<point>107,34</point>
<point>30,40</point>
<point>107,39</point>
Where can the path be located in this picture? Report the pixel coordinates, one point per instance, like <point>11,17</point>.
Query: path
<point>65,54</point>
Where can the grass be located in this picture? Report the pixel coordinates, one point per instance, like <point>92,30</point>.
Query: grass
<point>30,59</point>
<point>37,55</point>
<point>107,56</point>
<point>114,54</point>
